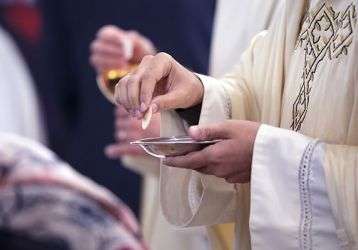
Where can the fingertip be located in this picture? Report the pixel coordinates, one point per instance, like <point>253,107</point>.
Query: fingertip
<point>194,132</point>
<point>109,151</point>
<point>167,160</point>
<point>138,114</point>
<point>143,107</point>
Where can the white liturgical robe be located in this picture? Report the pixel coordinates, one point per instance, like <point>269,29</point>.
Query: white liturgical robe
<point>299,79</point>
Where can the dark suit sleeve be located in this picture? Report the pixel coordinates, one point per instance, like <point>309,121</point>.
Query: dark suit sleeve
<point>190,115</point>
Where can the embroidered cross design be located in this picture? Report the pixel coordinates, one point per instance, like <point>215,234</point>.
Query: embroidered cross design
<point>325,33</point>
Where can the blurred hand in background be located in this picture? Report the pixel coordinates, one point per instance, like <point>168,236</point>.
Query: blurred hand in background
<point>115,48</point>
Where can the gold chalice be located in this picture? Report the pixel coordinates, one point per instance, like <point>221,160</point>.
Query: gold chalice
<point>112,76</point>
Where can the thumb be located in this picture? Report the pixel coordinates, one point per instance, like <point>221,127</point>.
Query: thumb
<point>210,132</point>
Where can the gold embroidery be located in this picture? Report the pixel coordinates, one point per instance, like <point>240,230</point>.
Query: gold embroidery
<point>325,32</point>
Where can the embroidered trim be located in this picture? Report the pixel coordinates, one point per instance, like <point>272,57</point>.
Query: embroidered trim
<point>304,182</point>
<point>228,104</point>
<point>325,33</point>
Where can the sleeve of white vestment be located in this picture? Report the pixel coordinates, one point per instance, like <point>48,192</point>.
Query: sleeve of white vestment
<point>189,198</point>
<point>304,193</point>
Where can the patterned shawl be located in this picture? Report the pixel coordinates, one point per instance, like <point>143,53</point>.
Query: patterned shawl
<point>44,200</point>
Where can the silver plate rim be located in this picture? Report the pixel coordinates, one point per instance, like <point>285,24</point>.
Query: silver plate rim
<point>180,140</point>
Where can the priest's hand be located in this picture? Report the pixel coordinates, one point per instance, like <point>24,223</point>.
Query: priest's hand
<point>115,48</point>
<point>161,83</point>
<point>230,159</point>
<point>129,129</point>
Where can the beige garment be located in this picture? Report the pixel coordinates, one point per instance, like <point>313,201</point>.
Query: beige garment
<point>304,50</point>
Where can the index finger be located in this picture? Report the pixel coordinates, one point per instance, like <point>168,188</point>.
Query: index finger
<point>111,34</point>
<point>156,70</point>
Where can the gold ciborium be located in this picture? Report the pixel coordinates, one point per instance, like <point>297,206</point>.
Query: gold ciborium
<point>111,77</point>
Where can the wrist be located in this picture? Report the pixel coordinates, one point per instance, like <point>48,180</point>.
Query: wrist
<point>199,90</point>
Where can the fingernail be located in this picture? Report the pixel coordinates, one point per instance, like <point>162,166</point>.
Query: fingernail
<point>194,132</point>
<point>143,107</point>
<point>132,112</point>
<point>155,108</point>
<point>138,114</point>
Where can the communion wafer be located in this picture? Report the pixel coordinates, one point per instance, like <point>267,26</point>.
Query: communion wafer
<point>146,119</point>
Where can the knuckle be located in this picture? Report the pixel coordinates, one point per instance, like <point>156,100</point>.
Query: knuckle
<point>164,56</point>
<point>116,90</point>
<point>117,98</point>
<point>120,90</point>
<point>146,76</point>
<point>132,79</point>
<point>121,83</point>
<point>147,58</point>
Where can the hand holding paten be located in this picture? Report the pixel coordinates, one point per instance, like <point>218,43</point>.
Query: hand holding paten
<point>230,159</point>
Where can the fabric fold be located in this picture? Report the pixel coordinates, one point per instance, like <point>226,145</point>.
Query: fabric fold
<point>289,201</point>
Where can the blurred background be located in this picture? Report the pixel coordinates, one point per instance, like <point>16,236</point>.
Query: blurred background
<point>60,104</point>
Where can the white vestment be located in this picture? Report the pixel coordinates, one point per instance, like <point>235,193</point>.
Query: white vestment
<point>235,23</point>
<point>19,111</point>
<point>300,79</point>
